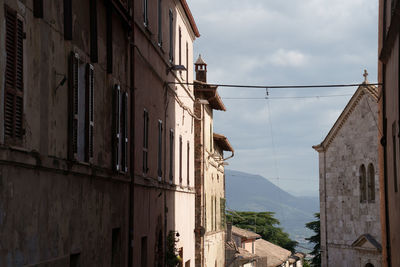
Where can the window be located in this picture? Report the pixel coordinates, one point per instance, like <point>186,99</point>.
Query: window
<point>14,77</point>
<point>363,189</point>
<point>74,260</point>
<point>394,148</point>
<point>212,213</point>
<point>187,263</point>
<point>38,8</point>
<point>93,31</point>
<point>371,183</point>
<point>180,46</point>
<point>109,36</point>
<point>188,164</point>
<point>143,252</point>
<point>159,250</point>
<point>116,248</point>
<point>211,137</point>
<point>145,13</point>
<point>171,36</point>
<point>120,125</point>
<point>215,213</point>
<point>180,160</point>
<point>68,19</point>
<point>159,22</point>
<point>145,141</point>
<point>187,62</point>
<point>171,155</point>
<point>159,158</point>
<point>81,96</point>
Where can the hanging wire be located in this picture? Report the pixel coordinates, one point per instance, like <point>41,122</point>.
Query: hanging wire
<point>281,86</point>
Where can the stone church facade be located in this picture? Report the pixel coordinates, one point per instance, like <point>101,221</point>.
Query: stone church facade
<point>349,185</point>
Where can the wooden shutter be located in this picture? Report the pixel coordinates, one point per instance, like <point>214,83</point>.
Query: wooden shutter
<point>13,95</point>
<point>124,130</point>
<point>171,36</point>
<point>171,155</point>
<point>89,112</point>
<point>117,127</point>
<point>159,158</point>
<point>180,160</point>
<point>145,140</point>
<point>188,164</point>
<point>73,104</point>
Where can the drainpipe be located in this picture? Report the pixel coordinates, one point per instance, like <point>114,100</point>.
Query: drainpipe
<point>326,213</point>
<point>132,143</point>
<point>383,143</point>
<point>202,178</point>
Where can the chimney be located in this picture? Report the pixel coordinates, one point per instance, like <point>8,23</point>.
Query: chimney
<point>229,231</point>
<point>201,70</point>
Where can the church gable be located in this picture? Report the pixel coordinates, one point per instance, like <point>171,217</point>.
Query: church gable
<point>367,242</point>
<point>365,93</point>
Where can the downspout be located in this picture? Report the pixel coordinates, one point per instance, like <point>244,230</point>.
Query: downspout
<point>383,143</point>
<point>132,144</point>
<point>202,178</point>
<point>165,170</point>
<point>326,213</point>
<point>231,156</point>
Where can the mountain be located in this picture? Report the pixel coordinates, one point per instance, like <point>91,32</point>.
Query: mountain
<point>249,192</point>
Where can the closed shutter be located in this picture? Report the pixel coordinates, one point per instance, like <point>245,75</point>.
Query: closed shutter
<point>159,158</point>
<point>89,111</point>
<point>13,98</point>
<point>145,141</point>
<point>171,155</point>
<point>74,102</point>
<point>116,127</point>
<point>124,130</point>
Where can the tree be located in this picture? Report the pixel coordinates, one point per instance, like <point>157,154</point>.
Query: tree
<point>264,224</point>
<point>316,239</point>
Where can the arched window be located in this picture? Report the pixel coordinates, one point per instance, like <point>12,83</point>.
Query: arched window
<point>369,265</point>
<point>371,183</point>
<point>363,184</point>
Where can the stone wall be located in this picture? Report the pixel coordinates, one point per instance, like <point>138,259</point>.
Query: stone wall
<point>344,218</point>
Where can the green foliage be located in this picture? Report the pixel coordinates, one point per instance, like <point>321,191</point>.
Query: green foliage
<point>306,263</point>
<point>222,209</point>
<point>315,226</point>
<point>264,224</point>
<point>171,254</point>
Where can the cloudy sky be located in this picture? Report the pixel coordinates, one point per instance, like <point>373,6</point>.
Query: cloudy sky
<point>274,42</point>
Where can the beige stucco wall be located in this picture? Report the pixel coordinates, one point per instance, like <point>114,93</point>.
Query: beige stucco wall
<point>182,101</point>
<point>214,240</point>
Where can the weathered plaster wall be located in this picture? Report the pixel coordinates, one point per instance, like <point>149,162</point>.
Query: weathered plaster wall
<point>346,218</point>
<point>51,207</point>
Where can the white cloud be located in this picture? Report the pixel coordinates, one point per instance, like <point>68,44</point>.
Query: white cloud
<point>290,58</point>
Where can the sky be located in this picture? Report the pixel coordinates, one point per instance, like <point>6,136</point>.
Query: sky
<point>273,42</point>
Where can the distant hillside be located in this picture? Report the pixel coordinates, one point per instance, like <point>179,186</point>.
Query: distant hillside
<point>248,192</point>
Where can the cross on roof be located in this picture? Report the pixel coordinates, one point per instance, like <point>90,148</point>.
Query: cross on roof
<point>365,76</point>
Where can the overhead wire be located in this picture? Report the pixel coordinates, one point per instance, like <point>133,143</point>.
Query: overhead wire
<point>281,86</point>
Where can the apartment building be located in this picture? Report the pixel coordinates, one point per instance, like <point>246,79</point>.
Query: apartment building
<point>209,173</point>
<point>164,196</point>
<point>65,81</point>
